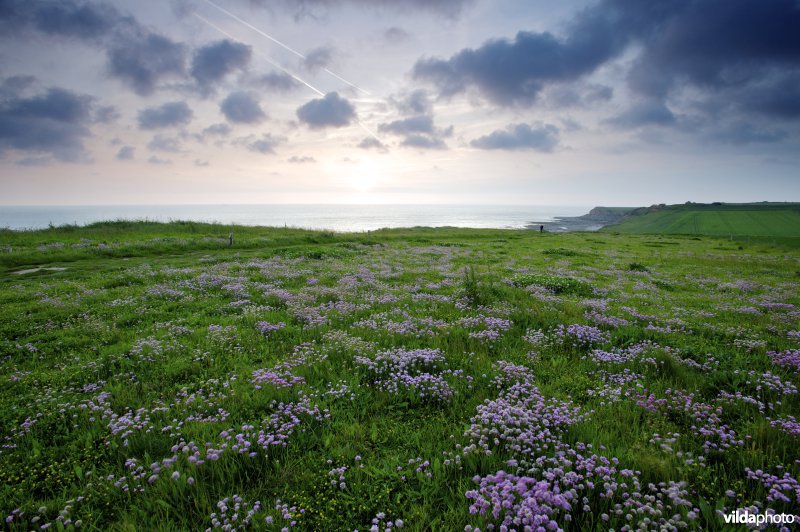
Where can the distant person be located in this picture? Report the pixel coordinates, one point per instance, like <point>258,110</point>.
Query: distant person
<point>230,238</point>
<point>541,229</point>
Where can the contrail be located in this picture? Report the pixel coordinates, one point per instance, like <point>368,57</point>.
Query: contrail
<point>368,130</point>
<point>276,65</point>
<point>279,43</point>
<point>340,78</point>
<point>271,38</point>
<point>266,58</point>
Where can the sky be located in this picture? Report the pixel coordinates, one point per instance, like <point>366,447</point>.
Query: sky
<point>523,102</point>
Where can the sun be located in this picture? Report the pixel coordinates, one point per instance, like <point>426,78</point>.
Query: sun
<point>365,175</point>
<point>362,180</point>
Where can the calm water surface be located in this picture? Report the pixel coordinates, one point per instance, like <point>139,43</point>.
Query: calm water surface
<point>329,217</point>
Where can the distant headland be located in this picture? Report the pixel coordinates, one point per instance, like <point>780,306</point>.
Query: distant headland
<point>596,219</point>
<point>773,219</point>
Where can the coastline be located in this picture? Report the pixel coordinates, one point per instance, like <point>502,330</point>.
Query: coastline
<point>566,225</point>
<point>594,220</point>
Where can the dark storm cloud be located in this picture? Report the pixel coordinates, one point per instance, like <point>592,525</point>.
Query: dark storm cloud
<point>773,97</point>
<point>740,61</point>
<point>719,44</point>
<point>779,100</point>
<point>125,153</point>
<point>53,124</point>
<point>717,47</point>
<point>330,111</point>
<point>278,81</point>
<point>168,115</point>
<point>242,108</point>
<point>513,72</point>
<point>539,137</point>
<point>142,60</point>
<point>213,62</point>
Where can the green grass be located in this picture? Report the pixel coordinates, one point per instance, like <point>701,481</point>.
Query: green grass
<point>144,350</point>
<point>558,285</point>
<point>782,220</point>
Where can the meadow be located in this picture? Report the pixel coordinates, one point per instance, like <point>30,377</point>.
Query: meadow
<point>154,377</point>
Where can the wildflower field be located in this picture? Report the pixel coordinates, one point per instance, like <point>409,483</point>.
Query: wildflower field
<point>152,377</point>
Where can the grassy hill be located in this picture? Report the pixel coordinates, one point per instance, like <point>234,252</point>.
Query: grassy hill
<point>717,219</point>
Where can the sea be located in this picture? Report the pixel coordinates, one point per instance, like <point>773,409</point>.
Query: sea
<point>339,218</point>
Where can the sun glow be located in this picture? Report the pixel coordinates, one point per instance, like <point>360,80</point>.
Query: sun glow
<point>359,180</point>
<point>365,175</point>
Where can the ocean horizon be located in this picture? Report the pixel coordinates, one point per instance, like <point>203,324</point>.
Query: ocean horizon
<point>332,217</point>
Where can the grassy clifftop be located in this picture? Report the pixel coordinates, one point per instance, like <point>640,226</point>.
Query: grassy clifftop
<point>715,219</point>
<point>156,377</point>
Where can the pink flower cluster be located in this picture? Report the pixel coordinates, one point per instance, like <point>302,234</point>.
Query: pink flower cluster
<point>420,372</point>
<point>787,359</point>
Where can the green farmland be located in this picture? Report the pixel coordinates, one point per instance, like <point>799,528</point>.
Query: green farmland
<point>771,220</point>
